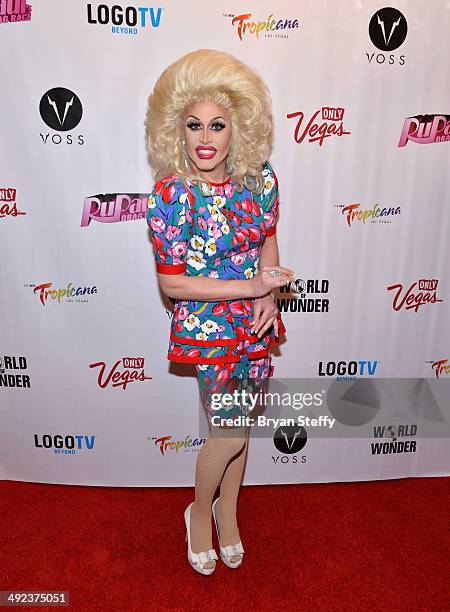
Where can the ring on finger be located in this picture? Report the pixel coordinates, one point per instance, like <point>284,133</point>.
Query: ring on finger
<point>274,272</point>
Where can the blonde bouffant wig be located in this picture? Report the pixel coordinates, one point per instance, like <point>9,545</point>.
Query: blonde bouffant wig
<point>210,75</point>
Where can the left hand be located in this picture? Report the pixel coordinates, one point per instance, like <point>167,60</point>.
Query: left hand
<point>265,314</point>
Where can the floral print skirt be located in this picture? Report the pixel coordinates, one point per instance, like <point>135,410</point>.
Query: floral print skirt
<point>216,380</point>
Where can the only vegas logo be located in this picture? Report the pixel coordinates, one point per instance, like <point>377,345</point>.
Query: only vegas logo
<point>123,372</point>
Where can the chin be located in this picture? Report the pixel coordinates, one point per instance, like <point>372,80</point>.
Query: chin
<point>207,164</point>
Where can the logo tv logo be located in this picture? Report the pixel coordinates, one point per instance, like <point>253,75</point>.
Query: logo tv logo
<point>65,444</point>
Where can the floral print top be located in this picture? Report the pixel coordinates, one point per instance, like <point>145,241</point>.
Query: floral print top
<point>213,230</point>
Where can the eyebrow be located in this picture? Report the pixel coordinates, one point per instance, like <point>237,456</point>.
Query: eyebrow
<point>213,119</point>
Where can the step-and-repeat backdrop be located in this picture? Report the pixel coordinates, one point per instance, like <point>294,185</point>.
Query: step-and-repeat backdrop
<point>362,153</point>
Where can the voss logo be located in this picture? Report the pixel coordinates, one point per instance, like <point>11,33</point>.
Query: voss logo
<point>387,31</point>
<point>289,440</point>
<point>61,110</point>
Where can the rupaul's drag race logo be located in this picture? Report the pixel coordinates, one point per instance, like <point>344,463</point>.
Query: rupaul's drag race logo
<point>246,24</point>
<point>323,123</point>
<point>124,20</point>
<point>47,292</point>
<point>302,300</point>
<point>8,204</point>
<point>125,371</point>
<point>399,439</point>
<point>441,367</point>
<point>348,370</point>
<point>14,10</point>
<point>423,291</point>
<point>113,208</point>
<point>355,215</point>
<point>65,444</point>
<point>425,129</point>
<point>182,445</point>
<point>12,372</point>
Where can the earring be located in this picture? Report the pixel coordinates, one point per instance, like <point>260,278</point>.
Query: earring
<point>185,155</point>
<point>229,168</point>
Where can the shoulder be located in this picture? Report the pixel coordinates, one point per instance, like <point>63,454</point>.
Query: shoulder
<point>169,188</point>
<point>170,202</point>
<point>270,182</point>
<point>170,193</point>
<point>270,178</point>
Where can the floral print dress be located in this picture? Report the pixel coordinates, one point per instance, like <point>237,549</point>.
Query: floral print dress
<point>218,232</point>
<point>213,230</point>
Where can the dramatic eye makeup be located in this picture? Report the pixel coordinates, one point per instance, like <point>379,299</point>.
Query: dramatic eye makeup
<point>217,124</point>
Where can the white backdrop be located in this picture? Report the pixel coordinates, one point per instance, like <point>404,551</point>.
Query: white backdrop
<point>73,100</point>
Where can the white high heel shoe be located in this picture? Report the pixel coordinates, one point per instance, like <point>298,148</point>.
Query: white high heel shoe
<point>198,560</point>
<point>226,552</point>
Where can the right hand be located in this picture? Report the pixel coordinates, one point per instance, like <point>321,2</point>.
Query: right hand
<point>262,282</point>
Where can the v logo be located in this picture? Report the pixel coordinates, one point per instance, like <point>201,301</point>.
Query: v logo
<point>381,24</point>
<point>291,444</point>
<point>53,104</point>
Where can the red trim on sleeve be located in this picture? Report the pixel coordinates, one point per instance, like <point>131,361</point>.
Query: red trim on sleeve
<point>163,268</point>
<point>271,230</point>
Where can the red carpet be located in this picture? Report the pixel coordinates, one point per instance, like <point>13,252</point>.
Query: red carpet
<point>349,546</point>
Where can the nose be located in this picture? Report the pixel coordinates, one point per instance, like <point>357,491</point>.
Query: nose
<point>205,136</point>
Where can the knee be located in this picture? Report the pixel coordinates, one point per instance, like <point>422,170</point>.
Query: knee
<point>227,446</point>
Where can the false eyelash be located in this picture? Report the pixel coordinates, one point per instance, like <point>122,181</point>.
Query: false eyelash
<point>222,125</point>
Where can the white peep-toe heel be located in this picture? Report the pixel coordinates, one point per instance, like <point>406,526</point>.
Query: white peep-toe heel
<point>226,552</point>
<point>198,560</point>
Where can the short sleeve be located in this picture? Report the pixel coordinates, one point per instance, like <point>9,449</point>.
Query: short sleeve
<point>270,199</point>
<point>169,217</point>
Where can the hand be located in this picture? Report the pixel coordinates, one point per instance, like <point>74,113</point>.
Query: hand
<point>265,314</point>
<point>263,282</point>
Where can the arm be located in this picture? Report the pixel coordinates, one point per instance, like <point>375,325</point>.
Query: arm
<point>265,310</point>
<point>205,288</point>
<point>269,252</point>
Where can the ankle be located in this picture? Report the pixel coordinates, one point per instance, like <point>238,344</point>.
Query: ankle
<point>201,511</point>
